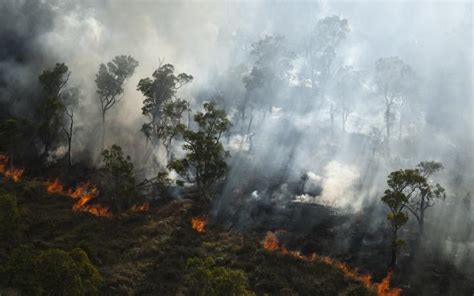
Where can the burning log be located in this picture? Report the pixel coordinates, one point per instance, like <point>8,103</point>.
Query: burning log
<point>199,223</point>
<point>271,244</point>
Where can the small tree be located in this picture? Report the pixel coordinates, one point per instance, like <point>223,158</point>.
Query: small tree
<point>425,192</point>
<point>204,163</point>
<point>119,176</point>
<point>396,198</point>
<point>110,81</point>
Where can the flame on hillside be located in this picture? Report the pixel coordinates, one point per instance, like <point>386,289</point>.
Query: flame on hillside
<point>14,173</point>
<point>55,187</point>
<point>145,207</point>
<point>83,194</point>
<point>270,243</point>
<point>199,223</point>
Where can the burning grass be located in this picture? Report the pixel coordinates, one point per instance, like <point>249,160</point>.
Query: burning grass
<point>144,207</point>
<point>83,195</point>
<point>199,223</point>
<point>14,173</point>
<point>271,244</point>
<point>54,187</point>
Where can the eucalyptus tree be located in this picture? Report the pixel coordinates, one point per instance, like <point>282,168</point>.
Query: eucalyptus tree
<point>204,163</point>
<point>394,81</point>
<point>162,107</point>
<point>110,81</point>
<point>319,51</point>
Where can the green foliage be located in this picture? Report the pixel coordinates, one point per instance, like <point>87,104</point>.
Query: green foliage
<point>111,78</point>
<point>320,50</point>
<point>51,272</point>
<point>53,108</point>
<point>204,163</point>
<point>161,106</point>
<point>54,80</point>
<point>9,216</point>
<point>203,277</point>
<point>269,74</point>
<point>118,175</point>
<point>13,134</point>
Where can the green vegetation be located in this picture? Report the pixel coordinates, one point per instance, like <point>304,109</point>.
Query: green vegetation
<point>9,216</point>
<point>204,163</point>
<point>154,253</point>
<point>51,272</point>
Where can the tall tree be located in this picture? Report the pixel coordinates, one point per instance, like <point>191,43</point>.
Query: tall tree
<point>51,109</point>
<point>161,105</point>
<point>204,163</point>
<point>269,74</point>
<point>320,52</point>
<point>110,81</point>
<point>346,87</point>
<point>394,80</point>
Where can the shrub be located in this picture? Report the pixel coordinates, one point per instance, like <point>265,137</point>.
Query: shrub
<point>9,216</point>
<point>51,272</point>
<point>203,277</point>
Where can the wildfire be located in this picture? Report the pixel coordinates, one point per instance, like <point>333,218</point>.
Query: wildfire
<point>83,194</point>
<point>199,223</point>
<point>270,243</point>
<point>15,174</point>
<point>55,187</point>
<point>145,207</point>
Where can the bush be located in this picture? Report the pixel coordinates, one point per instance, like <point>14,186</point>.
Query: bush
<point>51,272</point>
<point>9,216</point>
<point>203,277</point>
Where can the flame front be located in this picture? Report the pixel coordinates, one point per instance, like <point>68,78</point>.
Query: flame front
<point>270,243</point>
<point>15,174</point>
<point>199,223</point>
<point>55,187</point>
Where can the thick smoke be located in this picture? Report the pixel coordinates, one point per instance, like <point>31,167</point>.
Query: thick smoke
<point>212,41</point>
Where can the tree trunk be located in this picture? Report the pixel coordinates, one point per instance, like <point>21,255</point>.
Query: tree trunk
<point>102,145</point>
<point>393,260</point>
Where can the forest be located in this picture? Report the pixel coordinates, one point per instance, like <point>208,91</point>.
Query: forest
<point>236,148</point>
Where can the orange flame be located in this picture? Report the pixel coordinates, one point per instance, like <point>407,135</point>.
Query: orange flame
<point>15,174</point>
<point>3,163</point>
<point>270,243</point>
<point>55,187</point>
<point>145,207</point>
<point>199,223</point>
<point>383,288</point>
<point>83,194</point>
